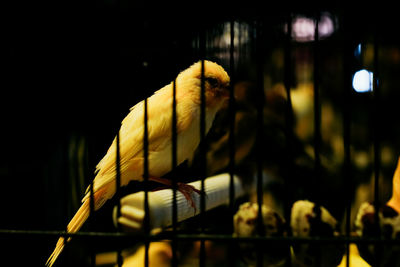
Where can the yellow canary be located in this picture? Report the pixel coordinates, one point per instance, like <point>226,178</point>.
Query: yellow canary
<point>160,128</point>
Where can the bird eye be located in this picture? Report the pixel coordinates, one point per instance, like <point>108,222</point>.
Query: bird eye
<point>213,82</point>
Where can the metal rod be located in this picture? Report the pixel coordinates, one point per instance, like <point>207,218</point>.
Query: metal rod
<point>231,114</point>
<point>376,120</point>
<point>203,158</point>
<point>202,135</point>
<point>317,127</point>
<point>146,179</point>
<point>376,126</point>
<point>259,135</point>
<point>91,203</point>
<point>118,186</point>
<point>174,182</point>
<point>67,193</point>
<point>232,119</point>
<point>317,114</point>
<point>118,174</point>
<point>167,236</point>
<point>289,119</point>
<point>118,159</point>
<point>347,100</point>
<point>289,124</point>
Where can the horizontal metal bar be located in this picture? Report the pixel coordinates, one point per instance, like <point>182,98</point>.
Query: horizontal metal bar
<point>196,237</point>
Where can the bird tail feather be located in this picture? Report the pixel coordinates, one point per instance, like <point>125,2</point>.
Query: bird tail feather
<point>78,220</point>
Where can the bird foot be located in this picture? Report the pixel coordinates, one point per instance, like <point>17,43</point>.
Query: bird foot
<point>186,189</point>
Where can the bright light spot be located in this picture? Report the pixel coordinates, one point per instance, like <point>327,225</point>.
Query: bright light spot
<point>357,51</point>
<point>363,81</point>
<point>303,28</point>
<point>325,26</point>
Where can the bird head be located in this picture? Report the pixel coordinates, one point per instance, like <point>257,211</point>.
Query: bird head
<point>215,81</point>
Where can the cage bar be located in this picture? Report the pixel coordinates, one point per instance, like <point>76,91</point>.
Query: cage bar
<point>203,152</point>
<point>118,189</point>
<point>259,134</point>
<point>347,177</point>
<point>232,150</point>
<point>376,122</point>
<point>348,181</point>
<point>317,112</point>
<point>174,182</point>
<point>231,114</point>
<point>289,117</point>
<point>146,180</point>
<point>289,124</point>
<point>317,126</point>
<point>91,211</point>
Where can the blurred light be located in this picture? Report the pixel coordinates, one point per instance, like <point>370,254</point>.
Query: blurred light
<point>325,26</point>
<point>221,41</point>
<point>357,51</point>
<point>240,32</point>
<point>303,28</point>
<point>363,81</point>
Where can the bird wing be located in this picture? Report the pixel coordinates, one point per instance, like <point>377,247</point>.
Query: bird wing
<point>159,125</point>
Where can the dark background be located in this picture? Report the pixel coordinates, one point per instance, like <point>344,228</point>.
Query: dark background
<point>73,69</point>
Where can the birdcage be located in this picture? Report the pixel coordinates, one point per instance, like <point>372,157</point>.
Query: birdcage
<point>311,119</point>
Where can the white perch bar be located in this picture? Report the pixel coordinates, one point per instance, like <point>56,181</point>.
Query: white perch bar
<point>160,203</point>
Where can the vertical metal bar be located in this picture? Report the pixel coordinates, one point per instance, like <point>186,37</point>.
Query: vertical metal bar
<point>376,118</point>
<point>118,163</point>
<point>91,197</point>
<point>203,159</point>
<point>317,113</point>
<point>289,119</point>
<point>376,122</point>
<point>67,193</point>
<point>231,114</point>
<point>317,129</point>
<point>289,124</point>
<point>91,212</point>
<point>259,134</point>
<point>231,119</point>
<point>347,89</point>
<point>174,182</point>
<point>118,185</point>
<point>146,179</point>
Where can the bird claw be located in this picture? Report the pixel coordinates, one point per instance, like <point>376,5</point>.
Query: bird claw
<point>187,191</point>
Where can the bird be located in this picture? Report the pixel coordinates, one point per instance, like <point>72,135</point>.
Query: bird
<point>311,220</point>
<point>387,227</point>
<point>188,85</point>
<point>246,224</point>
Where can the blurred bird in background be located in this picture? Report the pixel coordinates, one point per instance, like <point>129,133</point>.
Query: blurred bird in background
<point>245,224</point>
<point>388,227</point>
<point>309,220</point>
<point>160,111</point>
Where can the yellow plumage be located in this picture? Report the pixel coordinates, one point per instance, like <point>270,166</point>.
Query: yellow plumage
<point>159,123</point>
<point>394,201</point>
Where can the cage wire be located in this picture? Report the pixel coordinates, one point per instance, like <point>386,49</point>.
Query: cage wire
<point>300,147</point>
